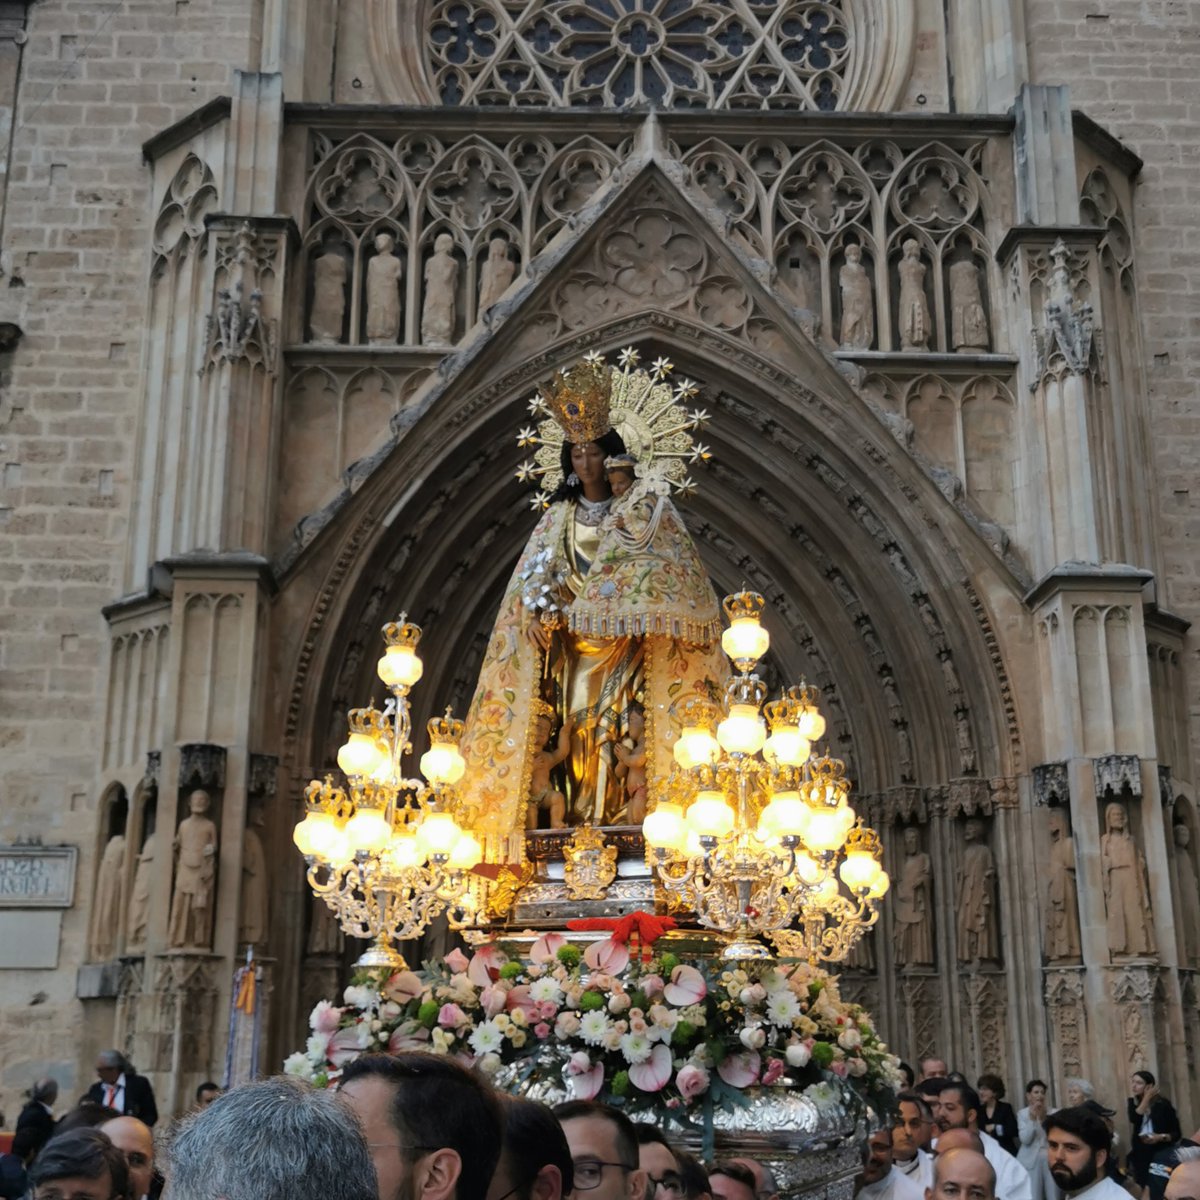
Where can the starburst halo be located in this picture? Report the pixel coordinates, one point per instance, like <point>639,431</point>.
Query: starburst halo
<point>644,408</point>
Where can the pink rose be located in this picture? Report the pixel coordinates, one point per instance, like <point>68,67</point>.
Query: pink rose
<point>545,1010</point>
<point>691,1081</point>
<point>456,960</point>
<point>493,1000</point>
<point>541,1031</point>
<point>840,1069</point>
<point>775,1068</point>
<point>450,1016</point>
<point>652,985</point>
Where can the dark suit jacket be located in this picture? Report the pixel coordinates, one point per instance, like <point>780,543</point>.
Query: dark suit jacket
<point>1003,1125</point>
<point>34,1127</point>
<point>139,1098</point>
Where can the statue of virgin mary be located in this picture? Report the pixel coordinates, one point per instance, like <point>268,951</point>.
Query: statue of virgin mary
<point>608,612</point>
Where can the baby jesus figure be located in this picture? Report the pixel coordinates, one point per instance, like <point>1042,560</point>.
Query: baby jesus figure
<point>631,766</point>
<point>542,794</point>
<point>638,497</point>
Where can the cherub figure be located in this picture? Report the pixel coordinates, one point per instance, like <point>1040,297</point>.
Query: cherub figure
<point>631,765</point>
<point>542,794</point>
<point>619,471</point>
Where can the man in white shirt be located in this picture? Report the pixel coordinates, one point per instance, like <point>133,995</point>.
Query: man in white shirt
<point>912,1132</point>
<point>962,1175</point>
<point>958,1107</point>
<point>1077,1143</point>
<point>879,1180</point>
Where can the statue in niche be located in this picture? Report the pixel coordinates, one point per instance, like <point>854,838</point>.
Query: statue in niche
<point>253,906</point>
<point>384,273</point>
<point>329,296</point>
<point>913,906</point>
<point>1189,894</point>
<point>498,272</point>
<point>106,914</point>
<point>1126,893</point>
<point>1062,897</point>
<point>914,308</point>
<point>195,848</point>
<point>324,933</point>
<point>441,284</point>
<point>968,319</point>
<point>858,307</point>
<point>139,903</point>
<point>978,936</point>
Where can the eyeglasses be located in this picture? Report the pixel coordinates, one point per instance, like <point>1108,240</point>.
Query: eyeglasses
<point>670,1183</point>
<point>589,1171</point>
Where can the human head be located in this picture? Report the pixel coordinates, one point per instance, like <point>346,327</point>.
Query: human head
<point>44,1091</point>
<point>731,1181</point>
<point>134,1140</point>
<point>694,1176</point>
<point>83,1164</point>
<point>1114,816</point>
<point>911,843</point>
<point>608,444</point>
<point>384,243</point>
<point>535,1162</point>
<point>911,247</point>
<point>766,1185</point>
<point>435,1129</point>
<point>198,802</point>
<point>658,1161</point>
<point>933,1068</point>
<point>912,1127</point>
<point>876,1156</point>
<point>635,720</point>
<point>1184,1183</point>
<point>443,243</point>
<point>110,1064</point>
<point>1139,1081</point>
<point>1079,1090</point>
<point>604,1151</point>
<point>1035,1090</point>
<point>961,1174</point>
<point>620,479</point>
<point>972,830</point>
<point>1077,1144</point>
<point>960,1139</point>
<point>957,1106</point>
<point>206,1093</point>
<point>543,728</point>
<point>278,1137</point>
<point>498,247</point>
<point>87,1114</point>
<point>993,1085</point>
<point>853,252</point>
<point>907,1074</point>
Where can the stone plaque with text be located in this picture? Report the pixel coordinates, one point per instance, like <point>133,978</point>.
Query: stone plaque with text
<point>37,876</point>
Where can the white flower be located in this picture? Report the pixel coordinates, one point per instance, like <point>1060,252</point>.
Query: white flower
<point>753,1038</point>
<point>360,997</point>
<point>594,1028</point>
<point>389,1011</point>
<point>636,1047</point>
<point>316,1047</point>
<point>364,1033</point>
<point>782,1008</point>
<point>545,989</point>
<point>487,1038</point>
<point>662,1022</point>
<point>298,1064</point>
<point>489,1064</point>
<point>850,1038</point>
<point>798,1054</point>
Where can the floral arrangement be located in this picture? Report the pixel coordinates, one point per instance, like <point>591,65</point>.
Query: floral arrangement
<point>641,1033</point>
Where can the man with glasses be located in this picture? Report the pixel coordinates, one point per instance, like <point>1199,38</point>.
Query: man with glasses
<point>434,1128</point>
<point>80,1165</point>
<point>655,1156</point>
<point>134,1140</point>
<point>604,1151</point>
<point>535,1163</point>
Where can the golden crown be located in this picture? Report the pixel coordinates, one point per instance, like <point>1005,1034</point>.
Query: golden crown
<point>861,837</point>
<point>578,399</point>
<point>444,729</point>
<point>743,604</point>
<point>401,632</point>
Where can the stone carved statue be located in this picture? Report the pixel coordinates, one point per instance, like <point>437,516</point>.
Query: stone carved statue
<point>858,307</point>
<point>914,308</point>
<point>384,273</point>
<point>139,903</point>
<point>1126,894</point>
<point>968,319</point>
<point>255,892</point>
<point>328,313</point>
<point>195,849</point>
<point>498,272</point>
<point>324,932</point>
<point>1062,897</point>
<point>913,905</point>
<point>1189,895</point>
<point>978,936</point>
<point>441,284</point>
<point>106,915</point>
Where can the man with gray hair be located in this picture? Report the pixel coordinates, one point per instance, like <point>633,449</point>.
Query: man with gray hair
<point>122,1089</point>
<point>278,1139</point>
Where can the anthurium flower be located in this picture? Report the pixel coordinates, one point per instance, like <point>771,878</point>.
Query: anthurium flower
<point>687,986</point>
<point>607,956</point>
<point>655,1073</point>
<point>740,1070</point>
<point>546,948</point>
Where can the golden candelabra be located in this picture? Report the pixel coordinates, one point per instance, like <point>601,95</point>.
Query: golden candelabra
<point>388,854</point>
<point>754,831</point>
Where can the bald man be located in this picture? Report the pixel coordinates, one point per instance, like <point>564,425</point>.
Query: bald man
<point>961,1174</point>
<point>134,1139</point>
<point>1184,1183</point>
<point>960,1139</point>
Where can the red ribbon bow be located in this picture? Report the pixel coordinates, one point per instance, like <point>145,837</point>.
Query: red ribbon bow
<point>634,927</point>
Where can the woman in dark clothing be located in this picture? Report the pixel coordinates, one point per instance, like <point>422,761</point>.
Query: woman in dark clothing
<point>998,1118</point>
<point>36,1122</point>
<point>1154,1122</point>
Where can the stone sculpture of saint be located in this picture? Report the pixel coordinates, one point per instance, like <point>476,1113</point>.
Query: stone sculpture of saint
<point>1126,896</point>
<point>914,308</point>
<point>913,905</point>
<point>253,906</point>
<point>498,272</point>
<point>858,307</point>
<point>106,916</point>
<point>968,319</point>
<point>384,273</point>
<point>1189,895</point>
<point>441,286</point>
<point>139,902</point>
<point>978,935</point>
<point>1062,897</point>
<point>195,848</point>
<point>328,313</point>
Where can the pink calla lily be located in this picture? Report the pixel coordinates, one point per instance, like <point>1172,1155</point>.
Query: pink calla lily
<point>485,964</point>
<point>740,1070</point>
<point>408,1036</point>
<point>607,956</point>
<point>687,986</point>
<point>546,948</point>
<point>402,987</point>
<point>587,1085</point>
<point>343,1046</point>
<point>655,1073</point>
<point>519,997</point>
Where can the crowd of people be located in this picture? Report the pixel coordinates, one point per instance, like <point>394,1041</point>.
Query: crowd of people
<point>418,1126</point>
